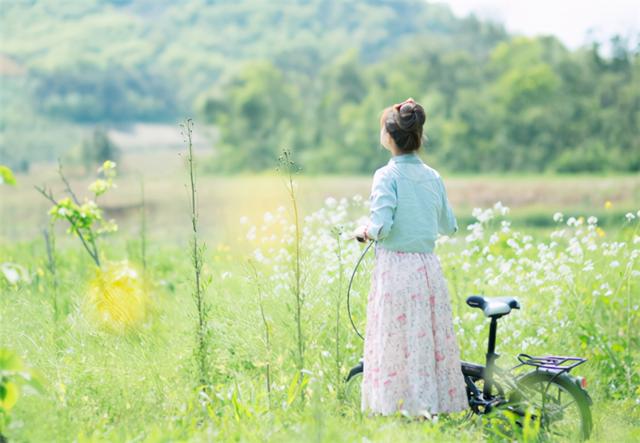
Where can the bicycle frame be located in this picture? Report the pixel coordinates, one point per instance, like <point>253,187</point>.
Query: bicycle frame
<point>491,357</point>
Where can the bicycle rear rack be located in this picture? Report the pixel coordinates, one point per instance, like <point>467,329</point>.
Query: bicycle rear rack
<point>553,362</point>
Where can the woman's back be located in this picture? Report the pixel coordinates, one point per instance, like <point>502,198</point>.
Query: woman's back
<point>412,204</point>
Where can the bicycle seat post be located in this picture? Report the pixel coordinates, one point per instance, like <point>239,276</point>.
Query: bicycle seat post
<point>493,308</point>
<point>491,357</point>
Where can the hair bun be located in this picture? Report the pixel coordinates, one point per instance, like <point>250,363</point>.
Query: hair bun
<point>404,121</point>
<point>411,116</point>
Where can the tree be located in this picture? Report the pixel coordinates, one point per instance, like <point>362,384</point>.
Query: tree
<point>257,115</point>
<point>97,149</point>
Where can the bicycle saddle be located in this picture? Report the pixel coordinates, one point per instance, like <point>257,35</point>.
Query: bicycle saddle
<point>493,306</point>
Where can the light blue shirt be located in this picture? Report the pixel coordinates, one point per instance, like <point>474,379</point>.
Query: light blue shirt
<point>409,206</point>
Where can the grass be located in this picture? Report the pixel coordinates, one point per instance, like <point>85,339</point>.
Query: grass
<point>141,384</point>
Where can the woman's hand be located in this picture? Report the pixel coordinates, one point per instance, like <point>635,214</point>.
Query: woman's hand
<point>360,234</point>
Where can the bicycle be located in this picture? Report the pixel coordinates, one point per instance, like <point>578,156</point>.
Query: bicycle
<point>548,394</point>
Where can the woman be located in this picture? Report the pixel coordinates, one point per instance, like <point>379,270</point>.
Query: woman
<point>411,356</point>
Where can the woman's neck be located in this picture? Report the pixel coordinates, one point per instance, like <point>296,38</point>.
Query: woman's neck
<point>399,153</point>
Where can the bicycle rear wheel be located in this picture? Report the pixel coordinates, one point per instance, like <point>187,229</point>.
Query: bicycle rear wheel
<point>563,408</point>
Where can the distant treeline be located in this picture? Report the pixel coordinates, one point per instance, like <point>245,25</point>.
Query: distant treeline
<point>313,76</point>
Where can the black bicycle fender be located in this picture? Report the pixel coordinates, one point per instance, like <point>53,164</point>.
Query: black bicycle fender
<point>576,381</point>
<point>568,377</point>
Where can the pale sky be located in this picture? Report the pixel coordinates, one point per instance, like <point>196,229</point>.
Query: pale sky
<point>569,20</point>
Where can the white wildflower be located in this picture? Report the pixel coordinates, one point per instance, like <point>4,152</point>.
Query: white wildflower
<point>330,202</point>
<point>500,208</point>
<point>10,273</point>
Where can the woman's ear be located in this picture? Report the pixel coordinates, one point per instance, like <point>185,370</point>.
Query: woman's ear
<point>384,139</point>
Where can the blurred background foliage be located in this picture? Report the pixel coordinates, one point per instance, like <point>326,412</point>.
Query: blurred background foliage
<point>314,76</point>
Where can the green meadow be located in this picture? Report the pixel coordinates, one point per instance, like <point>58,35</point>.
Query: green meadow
<point>133,374</point>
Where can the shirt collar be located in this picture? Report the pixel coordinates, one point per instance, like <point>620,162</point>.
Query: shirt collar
<point>411,157</point>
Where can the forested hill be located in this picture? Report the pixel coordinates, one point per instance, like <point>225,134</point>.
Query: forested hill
<point>152,54</point>
<point>313,75</point>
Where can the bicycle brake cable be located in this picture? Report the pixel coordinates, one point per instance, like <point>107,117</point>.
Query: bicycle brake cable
<point>349,288</point>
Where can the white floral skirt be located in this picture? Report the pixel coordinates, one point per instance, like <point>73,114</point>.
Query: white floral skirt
<point>411,356</point>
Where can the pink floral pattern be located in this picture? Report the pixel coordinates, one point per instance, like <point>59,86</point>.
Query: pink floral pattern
<point>411,356</point>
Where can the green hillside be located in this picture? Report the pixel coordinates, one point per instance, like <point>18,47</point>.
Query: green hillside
<point>313,75</point>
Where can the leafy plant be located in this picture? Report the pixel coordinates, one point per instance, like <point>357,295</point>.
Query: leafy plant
<point>289,167</point>
<point>201,282</point>
<point>52,267</point>
<point>85,219</point>
<point>337,232</point>
<point>116,298</point>
<point>267,327</point>
<point>143,227</point>
<point>13,375</point>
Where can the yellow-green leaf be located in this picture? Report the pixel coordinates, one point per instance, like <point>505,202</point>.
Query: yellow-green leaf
<point>6,176</point>
<point>292,391</point>
<point>9,395</point>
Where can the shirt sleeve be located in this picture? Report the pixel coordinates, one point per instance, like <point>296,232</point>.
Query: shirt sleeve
<point>447,224</point>
<point>383,205</point>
